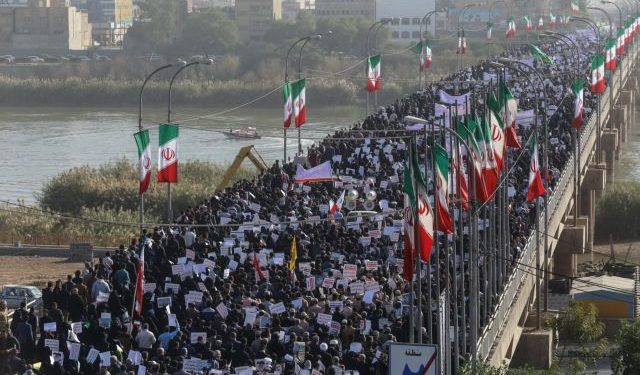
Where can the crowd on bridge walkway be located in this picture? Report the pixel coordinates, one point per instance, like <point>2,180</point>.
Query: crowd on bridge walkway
<point>219,297</point>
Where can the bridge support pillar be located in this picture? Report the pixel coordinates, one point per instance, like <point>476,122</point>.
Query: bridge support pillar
<point>593,184</point>
<point>534,349</point>
<point>620,120</point>
<point>572,241</point>
<point>609,144</point>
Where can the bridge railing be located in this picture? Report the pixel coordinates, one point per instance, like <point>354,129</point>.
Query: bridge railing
<point>561,194</point>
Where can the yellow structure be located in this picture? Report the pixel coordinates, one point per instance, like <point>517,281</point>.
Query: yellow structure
<point>254,17</point>
<point>611,295</point>
<point>245,152</point>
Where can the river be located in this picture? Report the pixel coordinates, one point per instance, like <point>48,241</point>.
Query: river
<point>41,143</point>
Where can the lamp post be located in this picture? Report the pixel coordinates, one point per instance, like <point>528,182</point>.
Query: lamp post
<point>472,233</point>
<point>141,208</point>
<point>286,79</point>
<point>182,66</point>
<point>611,35</point>
<point>304,44</point>
<point>375,27</point>
<point>511,63</point>
<point>424,21</point>
<point>462,11</point>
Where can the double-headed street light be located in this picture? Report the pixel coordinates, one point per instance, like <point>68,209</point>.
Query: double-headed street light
<point>182,66</point>
<point>425,21</point>
<point>460,14</point>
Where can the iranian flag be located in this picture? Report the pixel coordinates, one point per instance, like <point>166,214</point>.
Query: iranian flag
<point>536,188</point>
<point>408,245</point>
<point>140,283</point>
<point>575,7</point>
<point>511,28</point>
<point>627,33</point>
<point>528,26</point>
<point>299,102</point>
<point>540,23</point>
<point>476,160</point>
<point>424,49</point>
<point>445,224</point>
<point>490,170</point>
<point>335,207</point>
<point>489,30</point>
<point>637,27</point>
<point>620,42</point>
<point>460,179</point>
<point>597,74</point>
<point>496,134</point>
<point>552,20</point>
<point>578,91</point>
<point>144,158</point>
<point>610,62</point>
<point>510,108</point>
<point>462,43</point>
<point>288,104</point>
<point>421,214</point>
<point>168,153</point>
<point>374,73</point>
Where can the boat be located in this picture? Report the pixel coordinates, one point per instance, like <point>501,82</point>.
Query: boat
<point>244,133</point>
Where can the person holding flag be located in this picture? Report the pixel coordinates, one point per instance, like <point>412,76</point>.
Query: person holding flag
<point>335,207</point>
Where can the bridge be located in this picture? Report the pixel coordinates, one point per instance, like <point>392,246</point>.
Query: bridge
<point>510,334</point>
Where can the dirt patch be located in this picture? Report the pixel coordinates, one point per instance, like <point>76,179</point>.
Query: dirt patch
<point>625,252</point>
<point>35,270</point>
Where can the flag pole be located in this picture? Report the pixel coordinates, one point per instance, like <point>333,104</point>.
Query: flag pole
<point>436,237</point>
<point>416,241</point>
<point>412,307</point>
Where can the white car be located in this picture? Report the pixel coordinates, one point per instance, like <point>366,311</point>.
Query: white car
<point>14,295</point>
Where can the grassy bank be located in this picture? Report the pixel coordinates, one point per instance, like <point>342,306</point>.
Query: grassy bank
<point>78,92</point>
<point>618,212</point>
<point>103,196</point>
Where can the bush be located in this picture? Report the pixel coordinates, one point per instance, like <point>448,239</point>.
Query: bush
<point>113,188</point>
<point>618,212</point>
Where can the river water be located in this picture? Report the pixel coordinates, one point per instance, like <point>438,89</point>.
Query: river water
<point>42,142</point>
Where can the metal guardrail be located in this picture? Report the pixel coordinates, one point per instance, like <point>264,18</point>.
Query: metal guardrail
<point>503,308</point>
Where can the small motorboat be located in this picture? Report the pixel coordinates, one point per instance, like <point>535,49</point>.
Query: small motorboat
<point>244,133</point>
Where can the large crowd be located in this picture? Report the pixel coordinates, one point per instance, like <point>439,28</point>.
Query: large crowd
<point>218,293</point>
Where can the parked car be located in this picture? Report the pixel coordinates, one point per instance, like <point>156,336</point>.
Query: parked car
<point>14,295</point>
<point>101,58</point>
<point>50,59</point>
<point>7,59</point>
<point>35,59</point>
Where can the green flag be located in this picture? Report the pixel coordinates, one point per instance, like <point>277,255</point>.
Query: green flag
<point>540,56</point>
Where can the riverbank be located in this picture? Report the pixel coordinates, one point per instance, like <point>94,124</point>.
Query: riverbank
<point>66,92</point>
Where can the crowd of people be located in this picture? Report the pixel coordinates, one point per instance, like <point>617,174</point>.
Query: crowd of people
<point>219,295</point>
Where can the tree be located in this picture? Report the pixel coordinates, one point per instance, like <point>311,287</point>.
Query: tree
<point>578,323</point>
<point>157,31</point>
<point>626,357</point>
<point>208,32</point>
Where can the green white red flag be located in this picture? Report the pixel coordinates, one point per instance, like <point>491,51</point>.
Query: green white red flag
<point>299,102</point>
<point>510,109</point>
<point>144,159</point>
<point>168,153</point>
<point>597,74</point>
<point>528,26</point>
<point>578,103</point>
<point>288,104</point>
<point>421,217</point>
<point>496,133</point>
<point>139,289</point>
<point>575,8</point>
<point>511,28</point>
<point>444,222</point>
<point>424,49</point>
<point>477,158</point>
<point>462,43</point>
<point>374,73</point>
<point>620,42</point>
<point>540,23</point>
<point>536,187</point>
<point>610,48</point>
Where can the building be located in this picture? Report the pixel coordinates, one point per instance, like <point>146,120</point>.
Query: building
<point>44,25</point>
<point>254,17</point>
<point>406,17</point>
<point>290,9</point>
<point>613,296</point>
<point>347,9</point>
<point>110,19</point>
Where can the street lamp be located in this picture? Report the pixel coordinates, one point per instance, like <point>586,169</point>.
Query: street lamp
<point>141,208</point>
<point>464,9</point>
<point>375,27</point>
<point>511,63</point>
<point>425,20</point>
<point>286,79</point>
<point>304,44</point>
<point>182,66</point>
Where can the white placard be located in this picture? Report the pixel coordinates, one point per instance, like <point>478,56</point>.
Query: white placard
<point>324,319</point>
<point>222,310</point>
<point>54,344</point>
<point>74,350</point>
<point>135,357</point>
<point>50,327</point>
<point>328,282</point>
<point>195,335</point>
<point>277,308</point>
<point>76,327</point>
<point>175,288</point>
<point>92,355</point>
<point>105,359</point>
<point>349,271</point>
